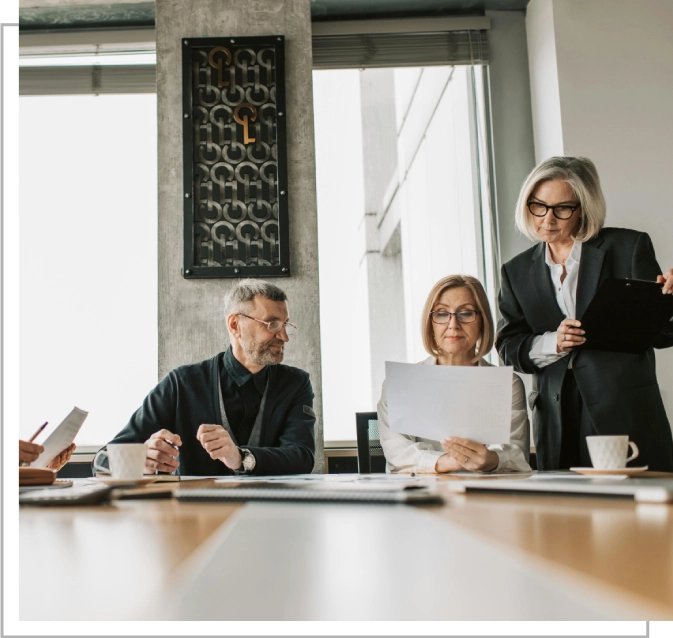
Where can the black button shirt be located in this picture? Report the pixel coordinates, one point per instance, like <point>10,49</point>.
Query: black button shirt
<point>242,395</point>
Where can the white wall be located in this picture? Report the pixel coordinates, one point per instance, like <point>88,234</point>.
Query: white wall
<point>614,64</point>
<point>544,81</point>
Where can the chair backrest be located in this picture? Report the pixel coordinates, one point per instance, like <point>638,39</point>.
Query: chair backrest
<point>370,452</point>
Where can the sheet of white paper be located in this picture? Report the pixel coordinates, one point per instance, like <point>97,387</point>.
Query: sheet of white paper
<point>435,402</point>
<point>61,437</point>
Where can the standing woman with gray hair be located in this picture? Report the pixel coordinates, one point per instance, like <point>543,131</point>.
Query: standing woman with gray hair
<point>544,290</point>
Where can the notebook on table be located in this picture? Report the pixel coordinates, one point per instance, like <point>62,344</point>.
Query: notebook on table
<point>647,490</point>
<point>36,476</point>
<point>419,496</point>
<point>78,495</point>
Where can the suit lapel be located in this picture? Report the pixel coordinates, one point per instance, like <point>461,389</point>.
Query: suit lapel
<point>589,276</point>
<point>541,283</point>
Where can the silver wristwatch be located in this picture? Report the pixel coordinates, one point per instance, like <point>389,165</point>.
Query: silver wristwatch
<point>248,461</point>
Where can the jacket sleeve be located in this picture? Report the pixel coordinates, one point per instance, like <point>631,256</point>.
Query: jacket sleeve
<point>296,452</point>
<point>403,453</point>
<point>515,337</point>
<point>513,456</point>
<point>644,266</point>
<point>157,412</point>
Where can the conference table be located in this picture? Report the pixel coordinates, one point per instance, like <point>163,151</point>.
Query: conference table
<point>476,557</point>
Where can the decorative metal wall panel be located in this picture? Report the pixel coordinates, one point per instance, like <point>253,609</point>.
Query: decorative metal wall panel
<point>235,168</point>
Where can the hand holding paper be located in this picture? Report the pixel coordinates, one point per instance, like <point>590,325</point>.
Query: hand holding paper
<point>61,438</point>
<point>437,402</point>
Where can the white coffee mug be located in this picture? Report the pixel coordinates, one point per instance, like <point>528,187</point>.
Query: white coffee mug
<point>126,460</point>
<point>609,452</point>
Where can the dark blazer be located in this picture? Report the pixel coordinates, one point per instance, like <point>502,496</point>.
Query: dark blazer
<point>620,391</point>
<point>190,395</point>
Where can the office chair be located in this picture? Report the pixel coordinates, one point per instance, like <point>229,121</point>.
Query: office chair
<point>533,461</point>
<point>370,452</point>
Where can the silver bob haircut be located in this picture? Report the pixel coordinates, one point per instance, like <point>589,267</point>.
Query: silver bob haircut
<point>580,173</point>
<point>246,290</point>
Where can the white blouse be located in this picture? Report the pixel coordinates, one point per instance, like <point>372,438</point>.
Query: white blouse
<point>406,454</point>
<point>543,350</point>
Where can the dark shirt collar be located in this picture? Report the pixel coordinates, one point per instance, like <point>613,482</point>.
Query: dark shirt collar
<point>240,374</point>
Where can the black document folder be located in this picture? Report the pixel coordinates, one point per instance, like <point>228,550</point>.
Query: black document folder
<point>626,315</point>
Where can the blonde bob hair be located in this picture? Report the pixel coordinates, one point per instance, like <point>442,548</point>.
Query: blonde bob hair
<point>485,341</point>
<point>580,173</point>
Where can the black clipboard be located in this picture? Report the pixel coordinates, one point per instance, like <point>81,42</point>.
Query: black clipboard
<point>626,315</point>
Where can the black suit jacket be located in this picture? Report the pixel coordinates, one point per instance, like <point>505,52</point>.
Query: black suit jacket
<point>620,391</point>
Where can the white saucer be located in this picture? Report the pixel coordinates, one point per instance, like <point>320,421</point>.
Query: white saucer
<point>625,471</point>
<point>126,482</point>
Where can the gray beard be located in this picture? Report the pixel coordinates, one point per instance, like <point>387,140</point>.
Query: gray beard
<point>261,353</point>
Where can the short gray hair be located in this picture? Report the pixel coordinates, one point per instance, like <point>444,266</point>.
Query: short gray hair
<point>246,290</point>
<point>581,174</point>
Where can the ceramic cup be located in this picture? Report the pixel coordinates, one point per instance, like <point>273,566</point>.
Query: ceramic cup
<point>610,452</point>
<point>126,460</point>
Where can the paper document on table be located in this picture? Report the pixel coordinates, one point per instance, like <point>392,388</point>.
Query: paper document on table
<point>61,437</point>
<point>435,402</point>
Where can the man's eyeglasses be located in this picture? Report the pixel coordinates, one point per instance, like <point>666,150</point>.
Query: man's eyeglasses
<point>463,316</point>
<point>274,326</point>
<point>560,212</point>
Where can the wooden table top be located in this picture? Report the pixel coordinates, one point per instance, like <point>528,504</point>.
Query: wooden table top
<point>106,560</point>
<point>617,543</point>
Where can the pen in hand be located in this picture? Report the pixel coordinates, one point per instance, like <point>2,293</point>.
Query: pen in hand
<point>32,450</point>
<point>44,425</point>
<point>172,444</point>
<point>177,449</point>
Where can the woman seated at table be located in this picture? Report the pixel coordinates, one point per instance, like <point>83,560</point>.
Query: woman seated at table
<point>457,331</point>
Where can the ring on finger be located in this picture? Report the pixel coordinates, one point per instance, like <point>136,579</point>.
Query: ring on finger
<point>466,459</point>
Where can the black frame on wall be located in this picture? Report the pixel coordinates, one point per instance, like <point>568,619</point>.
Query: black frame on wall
<point>234,158</point>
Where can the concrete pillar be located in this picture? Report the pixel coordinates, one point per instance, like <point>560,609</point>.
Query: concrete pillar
<point>512,122</point>
<point>191,322</point>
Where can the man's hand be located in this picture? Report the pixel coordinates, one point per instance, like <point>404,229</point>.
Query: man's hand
<point>667,280</point>
<point>61,459</point>
<point>162,452</point>
<point>217,442</point>
<point>28,452</point>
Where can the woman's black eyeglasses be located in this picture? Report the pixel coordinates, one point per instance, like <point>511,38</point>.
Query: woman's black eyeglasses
<point>562,211</point>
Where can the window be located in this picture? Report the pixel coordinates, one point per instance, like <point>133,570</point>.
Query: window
<point>403,199</point>
<point>87,260</point>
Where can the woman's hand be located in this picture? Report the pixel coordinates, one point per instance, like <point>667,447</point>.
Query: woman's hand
<point>667,280</point>
<point>470,455</point>
<point>61,459</point>
<point>569,335</point>
<point>446,463</point>
<point>28,452</point>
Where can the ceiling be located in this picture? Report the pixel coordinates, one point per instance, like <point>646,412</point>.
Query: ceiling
<point>124,15</point>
